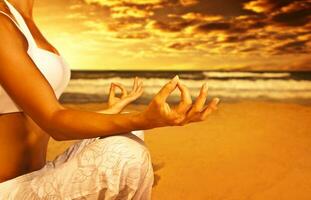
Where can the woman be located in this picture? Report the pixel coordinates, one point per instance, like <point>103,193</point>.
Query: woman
<point>32,76</point>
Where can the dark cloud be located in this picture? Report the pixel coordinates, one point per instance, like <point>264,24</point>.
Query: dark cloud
<point>218,26</point>
<point>285,36</point>
<point>294,18</point>
<point>257,25</point>
<point>227,8</point>
<point>286,12</point>
<point>267,6</point>
<point>181,45</point>
<point>294,47</point>
<point>240,38</point>
<point>274,24</point>
<point>249,49</point>
<point>171,26</point>
<point>277,4</point>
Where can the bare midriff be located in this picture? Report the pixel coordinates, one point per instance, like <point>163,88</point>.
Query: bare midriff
<point>23,145</point>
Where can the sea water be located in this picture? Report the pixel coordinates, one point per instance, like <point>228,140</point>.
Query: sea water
<point>93,86</point>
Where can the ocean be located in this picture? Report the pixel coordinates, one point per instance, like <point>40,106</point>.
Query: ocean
<point>93,86</point>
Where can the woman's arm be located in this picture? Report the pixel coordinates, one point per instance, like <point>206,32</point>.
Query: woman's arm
<point>29,89</point>
<point>70,124</point>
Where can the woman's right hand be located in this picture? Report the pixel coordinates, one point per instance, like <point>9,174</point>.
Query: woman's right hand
<point>159,113</point>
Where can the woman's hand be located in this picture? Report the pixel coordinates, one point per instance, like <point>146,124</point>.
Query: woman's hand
<point>159,113</point>
<point>117,104</point>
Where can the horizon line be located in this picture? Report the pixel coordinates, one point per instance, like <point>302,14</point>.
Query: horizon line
<point>192,70</point>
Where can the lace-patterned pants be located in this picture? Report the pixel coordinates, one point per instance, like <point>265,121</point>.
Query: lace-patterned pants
<point>115,167</point>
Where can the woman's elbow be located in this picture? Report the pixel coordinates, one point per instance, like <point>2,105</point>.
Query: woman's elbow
<point>58,137</point>
<point>50,125</point>
<point>55,132</point>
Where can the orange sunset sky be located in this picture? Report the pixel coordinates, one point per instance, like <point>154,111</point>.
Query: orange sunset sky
<point>179,34</point>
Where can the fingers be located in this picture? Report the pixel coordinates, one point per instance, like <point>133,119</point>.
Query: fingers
<point>139,85</point>
<point>122,88</point>
<point>111,91</point>
<point>138,92</point>
<point>185,112</point>
<point>137,89</point>
<point>185,99</point>
<point>209,108</point>
<point>196,115</point>
<point>140,89</point>
<point>200,100</point>
<point>166,90</point>
<point>135,85</point>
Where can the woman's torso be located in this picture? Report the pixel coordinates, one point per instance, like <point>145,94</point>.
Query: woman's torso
<point>23,144</point>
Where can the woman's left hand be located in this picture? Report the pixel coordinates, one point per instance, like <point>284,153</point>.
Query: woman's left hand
<point>117,104</point>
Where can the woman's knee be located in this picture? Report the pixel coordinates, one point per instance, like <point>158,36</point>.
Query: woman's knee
<point>124,161</point>
<point>115,166</point>
<point>121,152</point>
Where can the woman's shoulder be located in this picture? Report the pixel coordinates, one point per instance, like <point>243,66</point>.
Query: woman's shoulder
<point>10,32</point>
<point>4,10</point>
<point>6,17</point>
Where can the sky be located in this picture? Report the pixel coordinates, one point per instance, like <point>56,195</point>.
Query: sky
<point>179,34</point>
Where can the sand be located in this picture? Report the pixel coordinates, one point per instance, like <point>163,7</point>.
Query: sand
<point>244,151</point>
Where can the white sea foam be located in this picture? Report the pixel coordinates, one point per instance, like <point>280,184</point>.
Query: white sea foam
<point>245,75</point>
<point>231,88</point>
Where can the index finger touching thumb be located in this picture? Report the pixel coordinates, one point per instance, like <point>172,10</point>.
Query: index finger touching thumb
<point>167,89</point>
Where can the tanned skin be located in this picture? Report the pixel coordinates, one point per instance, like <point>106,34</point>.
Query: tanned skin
<point>24,135</point>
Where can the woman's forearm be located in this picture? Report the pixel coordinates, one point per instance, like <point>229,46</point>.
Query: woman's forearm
<point>108,111</point>
<point>70,124</point>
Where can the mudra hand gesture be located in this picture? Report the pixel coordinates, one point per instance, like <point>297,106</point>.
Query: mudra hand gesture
<point>117,104</point>
<point>159,113</point>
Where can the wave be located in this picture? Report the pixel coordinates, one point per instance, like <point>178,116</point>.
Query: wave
<point>227,89</point>
<point>245,75</point>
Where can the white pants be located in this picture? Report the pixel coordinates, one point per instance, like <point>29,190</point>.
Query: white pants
<point>115,167</point>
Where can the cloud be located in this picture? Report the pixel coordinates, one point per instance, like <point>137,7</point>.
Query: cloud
<point>127,12</point>
<point>175,26</point>
<point>200,17</point>
<point>211,32</point>
<point>181,45</point>
<point>297,17</point>
<point>292,47</point>
<point>258,6</point>
<point>265,6</point>
<point>189,2</point>
<point>124,2</point>
<point>286,12</point>
<point>137,35</point>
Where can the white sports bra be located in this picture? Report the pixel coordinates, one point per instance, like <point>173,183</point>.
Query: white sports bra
<point>54,67</point>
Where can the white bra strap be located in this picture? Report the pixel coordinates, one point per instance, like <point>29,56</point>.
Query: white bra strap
<point>12,20</point>
<point>21,24</point>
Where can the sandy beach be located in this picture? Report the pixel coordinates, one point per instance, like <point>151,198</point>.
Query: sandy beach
<point>247,150</point>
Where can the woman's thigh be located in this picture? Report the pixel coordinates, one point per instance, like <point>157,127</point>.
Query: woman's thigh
<point>102,168</point>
